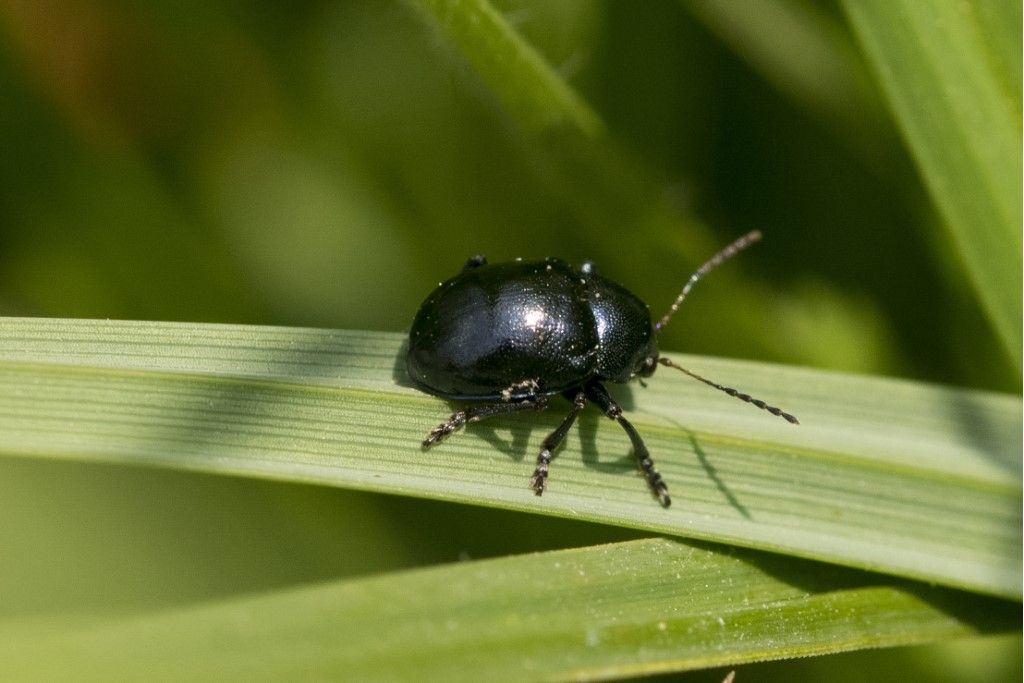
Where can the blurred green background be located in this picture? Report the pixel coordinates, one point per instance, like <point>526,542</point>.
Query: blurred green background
<point>327,163</point>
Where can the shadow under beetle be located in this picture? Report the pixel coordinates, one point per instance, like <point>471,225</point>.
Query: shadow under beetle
<point>507,336</point>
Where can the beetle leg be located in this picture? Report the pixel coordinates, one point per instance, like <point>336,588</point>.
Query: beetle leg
<point>479,412</point>
<point>532,386</point>
<point>540,475</point>
<point>599,395</point>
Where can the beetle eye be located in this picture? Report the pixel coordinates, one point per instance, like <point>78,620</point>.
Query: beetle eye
<point>650,363</point>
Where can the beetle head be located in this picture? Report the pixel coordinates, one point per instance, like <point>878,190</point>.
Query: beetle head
<point>650,364</point>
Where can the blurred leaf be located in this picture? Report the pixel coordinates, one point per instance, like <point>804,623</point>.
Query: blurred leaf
<point>892,476</point>
<point>605,611</point>
<point>537,96</point>
<point>947,72</point>
<point>807,55</point>
<point>967,660</point>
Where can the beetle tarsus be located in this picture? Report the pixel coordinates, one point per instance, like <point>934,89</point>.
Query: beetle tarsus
<point>599,395</point>
<point>660,491</point>
<point>531,386</point>
<point>540,475</point>
<point>445,428</point>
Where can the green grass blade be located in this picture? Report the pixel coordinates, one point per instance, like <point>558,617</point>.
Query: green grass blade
<point>913,480</point>
<point>605,611</point>
<point>536,96</point>
<point>806,54</point>
<point>951,72</point>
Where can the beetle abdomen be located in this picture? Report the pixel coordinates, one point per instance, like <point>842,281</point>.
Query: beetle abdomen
<point>496,326</point>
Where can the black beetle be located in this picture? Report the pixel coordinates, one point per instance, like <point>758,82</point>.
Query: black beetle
<point>507,336</point>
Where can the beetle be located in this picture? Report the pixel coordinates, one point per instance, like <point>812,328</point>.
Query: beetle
<point>506,337</point>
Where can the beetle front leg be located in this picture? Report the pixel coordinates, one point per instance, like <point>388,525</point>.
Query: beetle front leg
<point>479,412</point>
<point>540,475</point>
<point>599,395</point>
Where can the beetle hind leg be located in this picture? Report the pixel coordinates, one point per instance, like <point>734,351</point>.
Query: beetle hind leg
<point>599,395</point>
<point>479,412</point>
<point>540,475</point>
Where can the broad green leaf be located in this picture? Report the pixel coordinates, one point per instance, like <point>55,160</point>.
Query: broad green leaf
<point>913,480</point>
<point>951,72</point>
<point>537,97</point>
<point>605,611</point>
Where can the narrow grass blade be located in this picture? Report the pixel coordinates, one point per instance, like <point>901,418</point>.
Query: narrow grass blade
<point>605,611</point>
<point>898,477</point>
<point>536,96</point>
<point>951,72</point>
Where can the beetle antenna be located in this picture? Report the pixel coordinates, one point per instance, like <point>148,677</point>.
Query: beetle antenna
<point>733,392</point>
<point>709,265</point>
